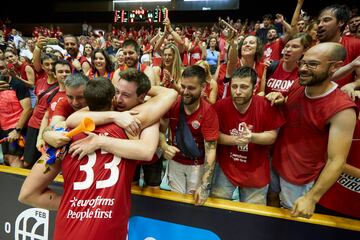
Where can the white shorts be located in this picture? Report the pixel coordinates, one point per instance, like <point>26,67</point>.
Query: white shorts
<point>184,178</point>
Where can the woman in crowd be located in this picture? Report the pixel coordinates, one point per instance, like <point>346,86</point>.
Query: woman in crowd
<point>88,50</point>
<point>120,60</point>
<point>210,91</point>
<point>171,68</point>
<point>281,75</point>
<point>102,65</point>
<point>212,55</point>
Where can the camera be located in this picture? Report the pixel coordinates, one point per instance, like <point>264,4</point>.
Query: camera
<point>52,41</point>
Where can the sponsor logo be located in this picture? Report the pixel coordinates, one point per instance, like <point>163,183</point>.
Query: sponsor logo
<point>32,223</point>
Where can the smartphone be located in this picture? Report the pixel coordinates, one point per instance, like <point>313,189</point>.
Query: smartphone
<point>5,78</point>
<point>52,41</point>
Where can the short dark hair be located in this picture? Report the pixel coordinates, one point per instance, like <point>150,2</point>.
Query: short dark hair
<point>46,56</point>
<point>268,16</point>
<point>99,94</point>
<point>195,71</point>
<point>61,62</point>
<point>133,43</point>
<point>244,72</point>
<point>305,39</point>
<point>72,36</point>
<point>108,63</point>
<point>142,81</point>
<point>341,12</point>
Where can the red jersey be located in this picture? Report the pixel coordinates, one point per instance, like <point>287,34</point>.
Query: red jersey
<point>82,59</point>
<point>96,201</point>
<point>246,166</point>
<point>40,109</point>
<point>272,51</point>
<point>203,124</point>
<point>300,152</point>
<point>280,80</point>
<point>344,195</point>
<point>352,46</point>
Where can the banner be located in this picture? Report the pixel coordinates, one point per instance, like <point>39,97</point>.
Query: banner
<point>157,216</point>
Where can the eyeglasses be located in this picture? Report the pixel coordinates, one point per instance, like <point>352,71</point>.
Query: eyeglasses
<point>311,64</point>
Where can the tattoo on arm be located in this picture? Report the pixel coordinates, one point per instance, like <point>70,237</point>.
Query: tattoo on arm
<point>210,145</point>
<point>208,166</point>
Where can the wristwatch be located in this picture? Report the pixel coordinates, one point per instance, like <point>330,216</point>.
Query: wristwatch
<point>18,130</point>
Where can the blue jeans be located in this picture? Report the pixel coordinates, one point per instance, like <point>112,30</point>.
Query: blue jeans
<point>288,192</point>
<point>223,188</point>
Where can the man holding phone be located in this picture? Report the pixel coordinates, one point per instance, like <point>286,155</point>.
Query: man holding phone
<point>15,110</point>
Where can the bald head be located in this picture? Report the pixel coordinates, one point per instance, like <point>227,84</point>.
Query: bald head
<point>332,51</point>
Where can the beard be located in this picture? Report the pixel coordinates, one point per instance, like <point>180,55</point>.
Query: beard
<point>316,79</point>
<point>190,99</point>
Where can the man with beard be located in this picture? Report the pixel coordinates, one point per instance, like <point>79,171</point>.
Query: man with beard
<point>79,62</point>
<point>308,156</point>
<point>191,166</point>
<point>332,22</point>
<point>131,50</point>
<point>248,126</point>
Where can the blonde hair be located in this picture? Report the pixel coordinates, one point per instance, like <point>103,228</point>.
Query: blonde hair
<point>177,65</point>
<point>205,65</point>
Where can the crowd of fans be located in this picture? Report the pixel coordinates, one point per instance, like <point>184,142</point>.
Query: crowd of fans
<point>40,86</point>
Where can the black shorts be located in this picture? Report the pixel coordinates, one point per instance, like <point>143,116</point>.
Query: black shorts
<point>152,173</point>
<point>31,154</point>
<point>11,148</point>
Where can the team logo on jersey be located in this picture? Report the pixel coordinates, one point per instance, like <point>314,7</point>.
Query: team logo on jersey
<point>152,229</point>
<point>32,223</point>
<point>195,124</point>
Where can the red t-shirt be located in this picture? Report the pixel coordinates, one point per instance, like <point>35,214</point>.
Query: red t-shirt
<point>272,51</point>
<point>352,46</point>
<point>246,166</point>
<point>203,124</point>
<point>280,80</point>
<point>344,195</point>
<point>63,108</point>
<point>300,152</point>
<point>60,96</point>
<point>40,109</point>
<point>10,107</point>
<point>82,59</point>
<point>195,54</point>
<point>97,189</point>
<point>42,85</point>
<point>156,59</point>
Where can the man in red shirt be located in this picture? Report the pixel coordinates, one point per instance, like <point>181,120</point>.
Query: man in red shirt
<point>78,61</point>
<point>248,126</point>
<point>131,50</point>
<point>332,22</point>
<point>105,183</point>
<point>307,154</point>
<point>190,171</point>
